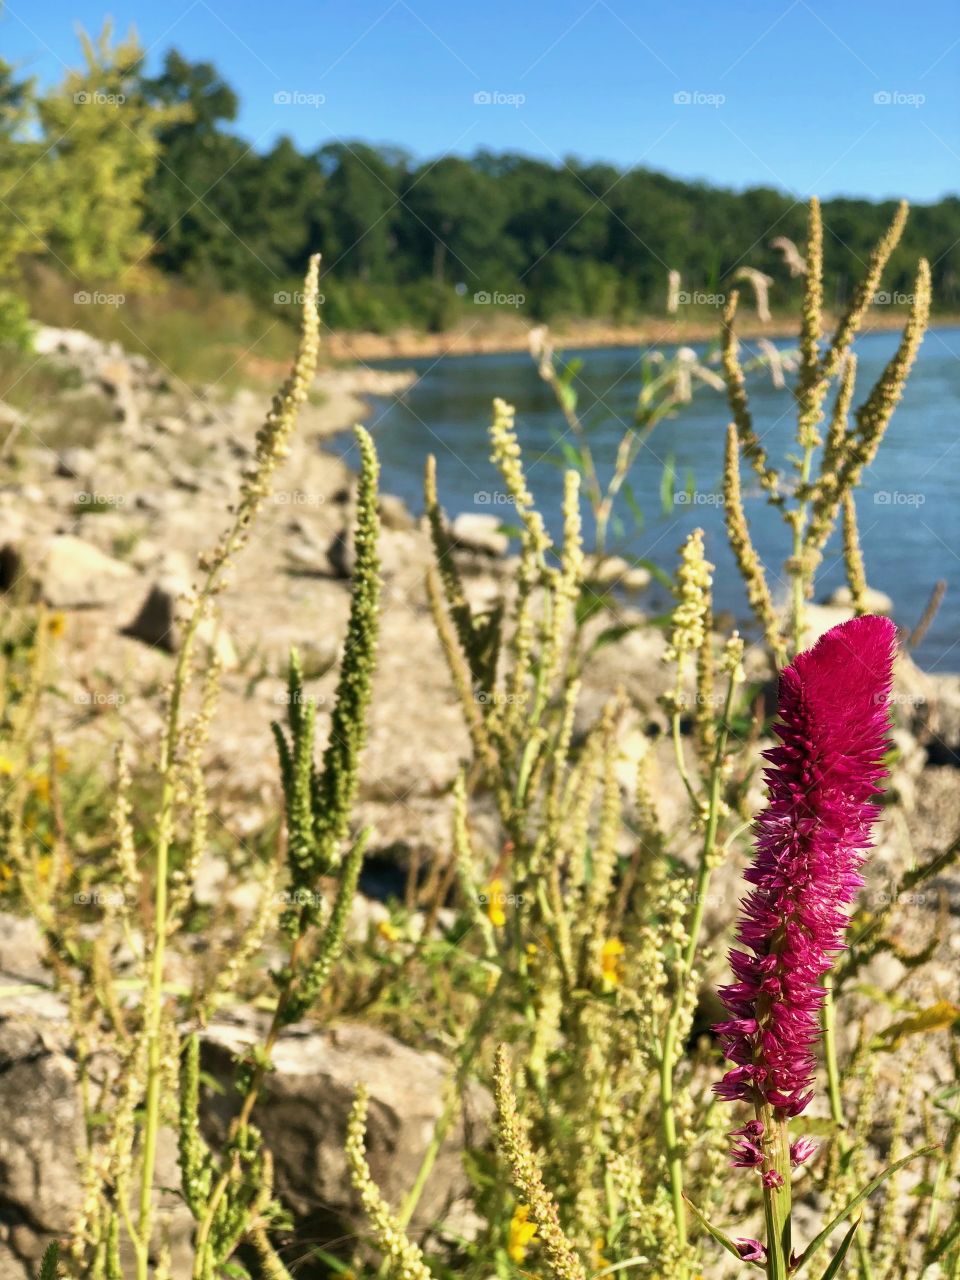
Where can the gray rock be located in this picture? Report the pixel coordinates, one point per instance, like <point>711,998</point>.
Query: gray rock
<point>874,600</point>
<point>302,1115</point>
<point>64,571</point>
<point>42,1130</point>
<point>395,514</point>
<point>341,554</point>
<point>615,571</point>
<point>169,425</point>
<point>478,531</point>
<point>76,463</point>
<point>21,949</point>
<point>158,621</point>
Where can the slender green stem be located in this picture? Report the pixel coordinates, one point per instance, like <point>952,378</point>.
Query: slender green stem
<point>776,1199</point>
<point>836,1107</point>
<point>668,1057</point>
<point>798,572</point>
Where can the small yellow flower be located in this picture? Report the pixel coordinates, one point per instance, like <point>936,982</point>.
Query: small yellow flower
<point>387,931</point>
<point>495,898</point>
<point>43,865</point>
<point>40,787</point>
<point>599,1260</point>
<point>532,951</point>
<point>56,624</point>
<point>521,1233</point>
<point>6,766</point>
<point>611,963</point>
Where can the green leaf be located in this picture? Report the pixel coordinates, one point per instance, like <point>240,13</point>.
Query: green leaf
<point>837,1261</point>
<point>630,498</point>
<point>48,1266</point>
<point>720,1236</point>
<point>589,603</point>
<point>612,634</point>
<point>573,456</point>
<point>236,1270</point>
<point>655,570</point>
<point>937,1017</point>
<point>857,1201</point>
<point>668,480</point>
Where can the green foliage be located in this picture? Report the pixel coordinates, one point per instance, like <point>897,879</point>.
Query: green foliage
<point>102,148</point>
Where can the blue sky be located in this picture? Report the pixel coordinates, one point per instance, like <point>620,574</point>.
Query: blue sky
<point>856,98</point>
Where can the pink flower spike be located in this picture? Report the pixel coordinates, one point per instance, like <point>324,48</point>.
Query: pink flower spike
<point>810,843</point>
<point>801,1150</point>
<point>751,1250</point>
<point>772,1180</point>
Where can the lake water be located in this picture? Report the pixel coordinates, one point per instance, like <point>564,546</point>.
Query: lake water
<point>907,507</point>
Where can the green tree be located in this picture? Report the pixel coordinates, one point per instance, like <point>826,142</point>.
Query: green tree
<point>101,134</point>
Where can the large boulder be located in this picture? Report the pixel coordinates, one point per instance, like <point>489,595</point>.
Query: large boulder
<point>64,571</point>
<point>41,1132</point>
<point>303,1110</point>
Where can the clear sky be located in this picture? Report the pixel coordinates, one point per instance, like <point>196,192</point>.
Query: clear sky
<point>859,97</point>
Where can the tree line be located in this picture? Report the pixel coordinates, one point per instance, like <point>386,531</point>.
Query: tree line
<point>115,174</point>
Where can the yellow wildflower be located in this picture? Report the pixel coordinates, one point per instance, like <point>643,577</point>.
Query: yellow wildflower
<point>387,931</point>
<point>6,765</point>
<point>495,898</point>
<point>599,1260</point>
<point>611,963</point>
<point>56,624</point>
<point>522,1232</point>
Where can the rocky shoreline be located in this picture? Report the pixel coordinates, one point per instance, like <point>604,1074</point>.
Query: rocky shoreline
<point>513,334</point>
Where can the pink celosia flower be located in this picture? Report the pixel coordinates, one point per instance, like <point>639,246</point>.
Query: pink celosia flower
<point>751,1250</point>
<point>810,843</point>
<point>801,1150</point>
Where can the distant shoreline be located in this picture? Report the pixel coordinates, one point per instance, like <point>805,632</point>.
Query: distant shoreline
<point>410,344</point>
